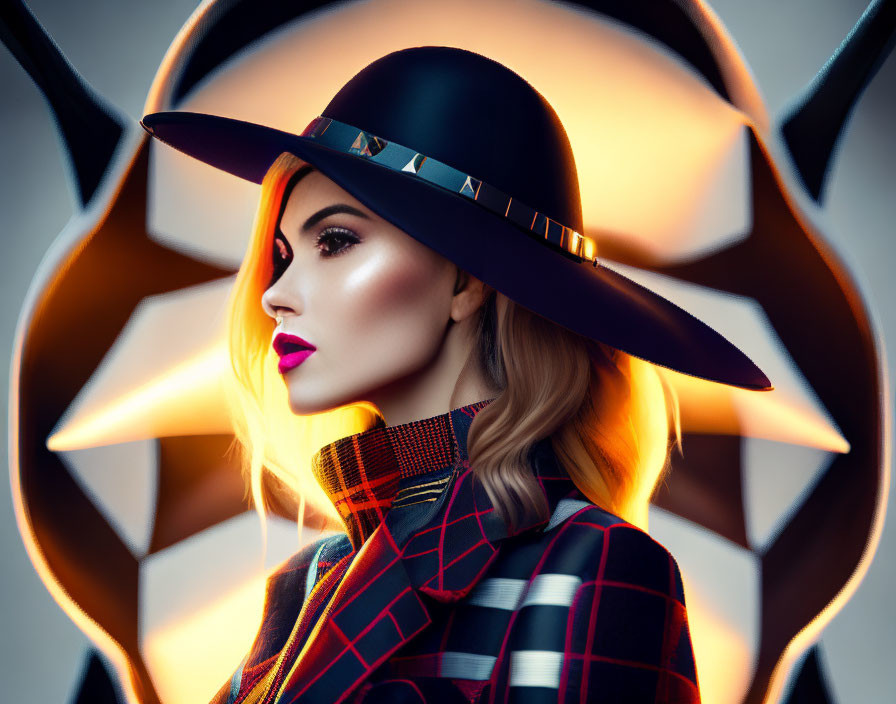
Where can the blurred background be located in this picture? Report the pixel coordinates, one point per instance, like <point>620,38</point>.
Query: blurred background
<point>117,47</point>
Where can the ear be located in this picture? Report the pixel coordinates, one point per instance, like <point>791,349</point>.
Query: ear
<point>469,294</point>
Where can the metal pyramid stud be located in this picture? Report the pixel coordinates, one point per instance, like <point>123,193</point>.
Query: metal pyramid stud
<point>470,187</point>
<point>366,144</point>
<point>413,166</point>
<point>317,127</point>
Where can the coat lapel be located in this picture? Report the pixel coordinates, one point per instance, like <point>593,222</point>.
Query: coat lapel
<point>386,596</point>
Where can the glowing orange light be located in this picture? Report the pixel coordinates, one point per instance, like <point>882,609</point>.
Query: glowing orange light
<point>191,659</point>
<point>186,399</point>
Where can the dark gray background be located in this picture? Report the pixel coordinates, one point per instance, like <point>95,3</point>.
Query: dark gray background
<point>117,46</point>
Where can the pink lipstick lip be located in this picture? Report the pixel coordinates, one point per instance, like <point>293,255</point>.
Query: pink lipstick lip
<point>290,361</point>
<point>293,350</point>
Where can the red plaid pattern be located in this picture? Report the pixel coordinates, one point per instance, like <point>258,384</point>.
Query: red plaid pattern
<point>440,604</point>
<point>360,473</point>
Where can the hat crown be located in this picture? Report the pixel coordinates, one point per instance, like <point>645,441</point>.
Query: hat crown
<point>473,114</point>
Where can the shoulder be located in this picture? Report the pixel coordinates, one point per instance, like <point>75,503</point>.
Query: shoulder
<point>630,611</point>
<point>284,595</point>
<point>601,618</point>
<point>618,552</point>
<point>288,584</point>
<point>292,575</point>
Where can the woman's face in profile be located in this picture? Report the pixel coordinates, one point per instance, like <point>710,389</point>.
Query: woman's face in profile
<point>372,301</point>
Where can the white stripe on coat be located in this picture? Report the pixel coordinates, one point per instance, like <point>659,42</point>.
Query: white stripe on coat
<point>550,589</point>
<point>498,593</point>
<point>467,666</point>
<point>535,668</point>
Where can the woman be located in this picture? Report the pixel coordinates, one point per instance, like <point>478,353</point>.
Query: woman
<point>417,265</point>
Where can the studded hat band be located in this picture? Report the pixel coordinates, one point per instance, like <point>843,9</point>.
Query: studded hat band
<point>351,140</point>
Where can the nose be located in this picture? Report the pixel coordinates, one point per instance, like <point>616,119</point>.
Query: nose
<point>281,299</point>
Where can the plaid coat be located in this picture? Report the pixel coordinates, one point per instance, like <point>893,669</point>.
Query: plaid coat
<point>441,605</point>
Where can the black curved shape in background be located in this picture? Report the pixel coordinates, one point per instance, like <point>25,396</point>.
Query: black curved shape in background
<point>234,24</point>
<point>90,127</point>
<point>813,128</point>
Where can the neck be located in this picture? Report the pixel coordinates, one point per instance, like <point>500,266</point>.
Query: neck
<point>453,379</point>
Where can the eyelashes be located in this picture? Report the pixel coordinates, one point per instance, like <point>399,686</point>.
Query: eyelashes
<point>342,235</point>
<point>330,242</point>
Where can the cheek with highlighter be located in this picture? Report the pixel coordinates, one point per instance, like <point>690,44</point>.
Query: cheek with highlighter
<point>380,314</point>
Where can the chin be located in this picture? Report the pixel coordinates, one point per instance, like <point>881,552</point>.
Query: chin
<point>306,402</point>
<point>307,406</point>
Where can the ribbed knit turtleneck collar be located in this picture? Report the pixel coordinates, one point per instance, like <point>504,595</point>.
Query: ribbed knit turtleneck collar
<point>361,473</point>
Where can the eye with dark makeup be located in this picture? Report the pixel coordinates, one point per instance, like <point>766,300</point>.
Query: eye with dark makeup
<point>333,241</point>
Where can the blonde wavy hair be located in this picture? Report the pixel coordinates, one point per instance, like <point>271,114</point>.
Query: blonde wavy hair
<point>611,418</point>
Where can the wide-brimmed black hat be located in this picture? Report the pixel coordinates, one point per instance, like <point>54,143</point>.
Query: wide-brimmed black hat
<point>468,158</point>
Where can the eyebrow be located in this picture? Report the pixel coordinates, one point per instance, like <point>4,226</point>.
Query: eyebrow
<point>332,210</point>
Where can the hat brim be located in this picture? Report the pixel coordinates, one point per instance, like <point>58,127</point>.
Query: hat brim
<point>595,302</point>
